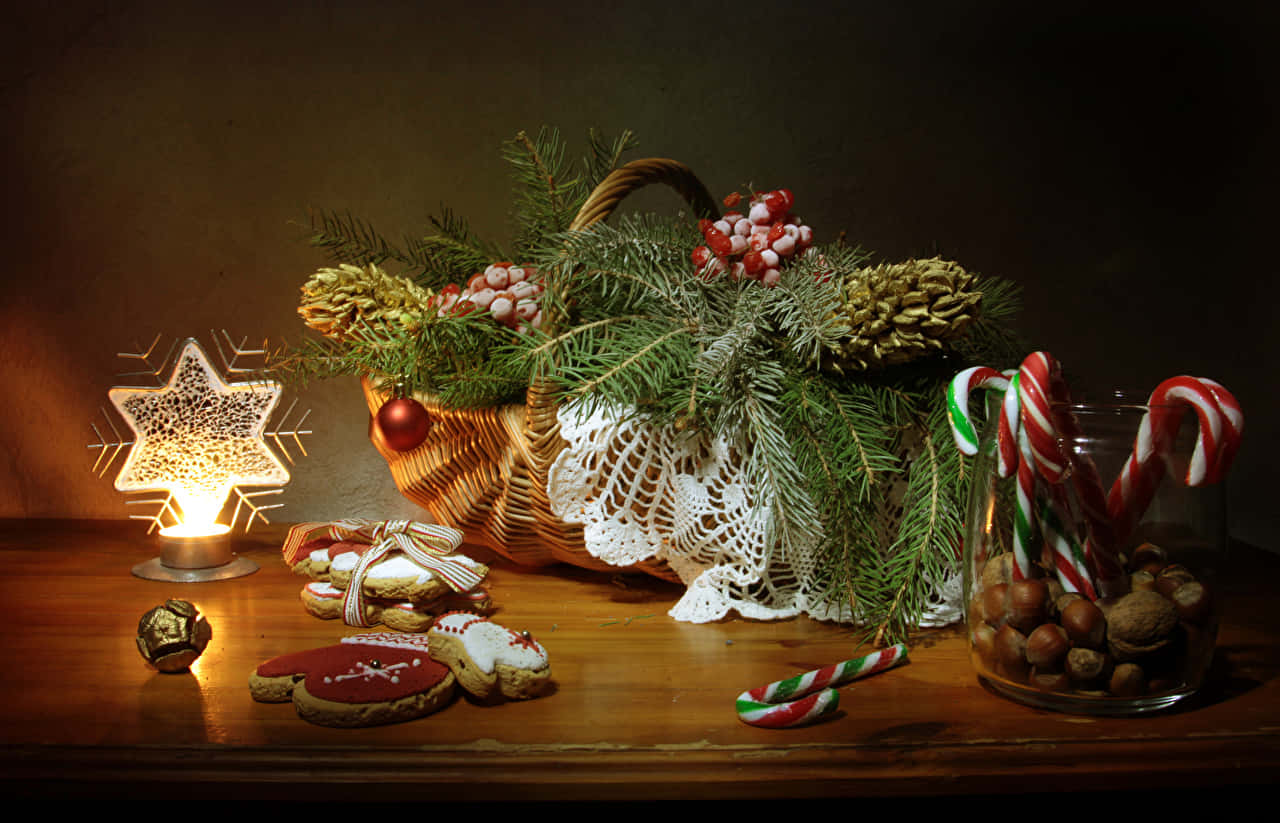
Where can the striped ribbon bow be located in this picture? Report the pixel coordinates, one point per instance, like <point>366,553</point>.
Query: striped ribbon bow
<point>429,545</point>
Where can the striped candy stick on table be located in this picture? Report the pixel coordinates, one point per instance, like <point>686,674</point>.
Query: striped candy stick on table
<point>807,697</point>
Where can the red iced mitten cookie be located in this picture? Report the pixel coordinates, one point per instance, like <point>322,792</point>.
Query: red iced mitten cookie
<point>366,680</point>
<point>489,660</point>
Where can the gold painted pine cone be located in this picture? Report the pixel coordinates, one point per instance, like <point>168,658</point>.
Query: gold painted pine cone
<point>902,311</point>
<point>334,300</point>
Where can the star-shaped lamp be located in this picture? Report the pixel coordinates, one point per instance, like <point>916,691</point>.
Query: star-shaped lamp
<point>197,438</point>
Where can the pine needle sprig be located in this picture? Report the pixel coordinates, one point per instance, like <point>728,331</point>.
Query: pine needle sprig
<point>927,536</point>
<point>992,337</point>
<point>548,194</point>
<point>604,155</point>
<point>641,360</point>
<point>451,255</point>
<point>844,452</point>
<point>609,268</point>
<point>800,310</point>
<point>348,239</point>
<point>770,470</point>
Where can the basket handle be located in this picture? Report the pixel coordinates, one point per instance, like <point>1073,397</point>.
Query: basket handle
<point>638,174</point>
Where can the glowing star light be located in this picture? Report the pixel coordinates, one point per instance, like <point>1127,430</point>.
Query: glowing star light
<point>198,438</point>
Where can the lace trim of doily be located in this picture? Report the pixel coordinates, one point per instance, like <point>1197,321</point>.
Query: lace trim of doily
<point>644,492</point>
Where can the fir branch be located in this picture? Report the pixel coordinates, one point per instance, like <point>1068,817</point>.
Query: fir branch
<point>347,239</point>
<point>800,308</point>
<point>547,195</point>
<point>991,340</point>
<point>452,254</point>
<point>770,470</point>
<point>604,156</point>
<point>927,533</point>
<point>632,371</point>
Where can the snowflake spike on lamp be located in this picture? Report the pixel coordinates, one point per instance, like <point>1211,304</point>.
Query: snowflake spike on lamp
<point>197,439</point>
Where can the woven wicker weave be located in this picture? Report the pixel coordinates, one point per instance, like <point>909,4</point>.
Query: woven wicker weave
<point>484,471</point>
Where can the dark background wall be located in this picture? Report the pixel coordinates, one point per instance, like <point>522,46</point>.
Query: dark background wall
<point>1117,160</point>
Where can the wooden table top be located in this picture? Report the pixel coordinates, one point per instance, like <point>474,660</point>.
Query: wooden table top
<point>643,709</point>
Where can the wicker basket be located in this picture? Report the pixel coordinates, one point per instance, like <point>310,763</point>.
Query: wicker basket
<point>484,471</point>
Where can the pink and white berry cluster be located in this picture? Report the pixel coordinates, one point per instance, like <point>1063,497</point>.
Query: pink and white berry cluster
<point>510,294</point>
<point>754,245</point>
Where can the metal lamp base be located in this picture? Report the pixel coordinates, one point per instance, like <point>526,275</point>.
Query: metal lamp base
<point>195,559</point>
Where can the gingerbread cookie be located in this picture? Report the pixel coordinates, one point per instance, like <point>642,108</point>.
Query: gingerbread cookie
<point>328,602</point>
<point>365,680</point>
<point>315,556</point>
<point>489,660</point>
<point>397,576</point>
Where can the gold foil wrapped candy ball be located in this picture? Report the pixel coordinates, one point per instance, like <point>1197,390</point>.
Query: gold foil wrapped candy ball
<point>171,636</point>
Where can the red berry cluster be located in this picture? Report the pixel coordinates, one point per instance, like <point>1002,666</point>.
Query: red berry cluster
<point>508,292</point>
<point>752,246</point>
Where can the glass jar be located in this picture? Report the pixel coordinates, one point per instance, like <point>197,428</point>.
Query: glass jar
<point>1141,643</point>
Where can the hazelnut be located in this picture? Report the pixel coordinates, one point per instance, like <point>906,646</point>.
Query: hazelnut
<point>1047,647</point>
<point>1056,591</point>
<point>994,602</point>
<point>1171,577</point>
<point>998,569</point>
<point>1128,680</point>
<point>1087,667</point>
<point>1028,604</point>
<point>1148,556</point>
<point>984,644</point>
<point>1061,603</point>
<point>1191,601</point>
<point>1011,653</point>
<point>1084,623</point>
<point>1050,681</point>
<point>1142,581</point>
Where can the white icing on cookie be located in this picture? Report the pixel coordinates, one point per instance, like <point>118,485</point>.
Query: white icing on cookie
<point>395,567</point>
<point>319,588</point>
<point>489,644</point>
<point>393,640</point>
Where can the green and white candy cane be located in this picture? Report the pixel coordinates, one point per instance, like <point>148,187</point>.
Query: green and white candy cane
<point>807,697</point>
<point>958,390</point>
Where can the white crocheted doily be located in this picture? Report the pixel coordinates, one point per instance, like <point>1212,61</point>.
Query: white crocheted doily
<point>644,492</point>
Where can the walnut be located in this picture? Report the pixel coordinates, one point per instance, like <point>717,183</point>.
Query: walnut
<point>1140,623</point>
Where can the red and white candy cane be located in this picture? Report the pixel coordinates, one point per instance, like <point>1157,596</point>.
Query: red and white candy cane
<point>1234,418</point>
<point>1045,505</point>
<point>1041,387</point>
<point>1069,557</point>
<point>807,697</point>
<point>1221,425</point>
<point>1024,514</point>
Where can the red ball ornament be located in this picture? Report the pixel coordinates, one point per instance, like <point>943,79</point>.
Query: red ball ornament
<point>404,423</point>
